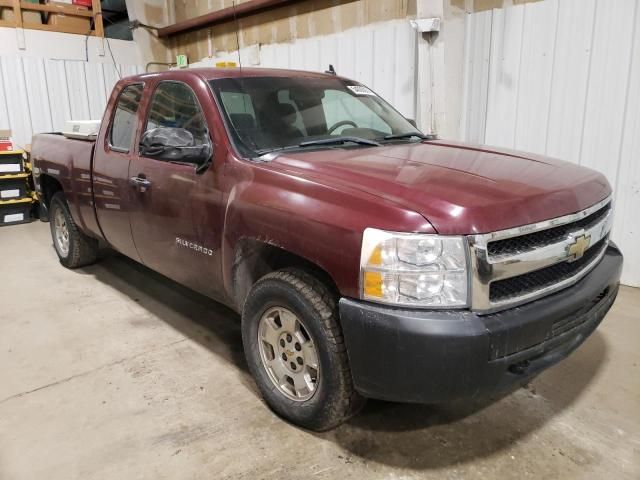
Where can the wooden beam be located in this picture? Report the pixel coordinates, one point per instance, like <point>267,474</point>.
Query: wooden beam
<point>7,23</point>
<point>57,28</point>
<point>70,10</point>
<point>240,10</point>
<point>97,18</point>
<point>17,13</point>
<point>6,3</point>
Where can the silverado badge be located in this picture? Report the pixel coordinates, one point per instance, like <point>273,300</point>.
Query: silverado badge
<point>577,248</point>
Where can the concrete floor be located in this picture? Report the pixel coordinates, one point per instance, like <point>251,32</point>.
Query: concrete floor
<point>114,372</point>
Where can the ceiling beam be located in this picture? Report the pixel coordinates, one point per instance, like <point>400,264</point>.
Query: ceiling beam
<point>244,9</point>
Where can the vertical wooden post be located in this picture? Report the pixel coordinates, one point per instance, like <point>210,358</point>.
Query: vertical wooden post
<point>97,18</point>
<point>17,13</point>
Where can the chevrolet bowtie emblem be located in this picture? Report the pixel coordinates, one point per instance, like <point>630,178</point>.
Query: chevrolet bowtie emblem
<point>576,249</point>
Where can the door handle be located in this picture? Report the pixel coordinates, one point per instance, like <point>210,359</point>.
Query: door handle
<point>139,182</point>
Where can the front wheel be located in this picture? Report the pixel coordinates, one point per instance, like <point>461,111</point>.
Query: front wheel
<point>73,247</point>
<point>295,350</point>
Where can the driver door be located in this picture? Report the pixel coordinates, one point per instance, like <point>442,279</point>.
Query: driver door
<point>176,218</point>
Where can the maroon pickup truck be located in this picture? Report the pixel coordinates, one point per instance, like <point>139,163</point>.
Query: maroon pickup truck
<point>366,258</point>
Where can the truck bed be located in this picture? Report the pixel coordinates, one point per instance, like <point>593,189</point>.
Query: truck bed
<point>68,162</point>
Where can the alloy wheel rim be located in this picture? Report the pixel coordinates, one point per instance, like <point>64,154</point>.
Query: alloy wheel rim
<point>288,354</point>
<point>61,230</point>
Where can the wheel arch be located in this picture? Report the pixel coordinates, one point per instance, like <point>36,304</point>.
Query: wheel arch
<point>49,186</point>
<point>253,259</point>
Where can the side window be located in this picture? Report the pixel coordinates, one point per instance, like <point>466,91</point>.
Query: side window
<point>175,105</point>
<point>340,105</point>
<point>124,120</point>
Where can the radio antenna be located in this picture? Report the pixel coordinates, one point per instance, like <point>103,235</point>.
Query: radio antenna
<point>235,18</point>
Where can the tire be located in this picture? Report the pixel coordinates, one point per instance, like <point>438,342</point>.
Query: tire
<point>276,295</point>
<point>80,250</point>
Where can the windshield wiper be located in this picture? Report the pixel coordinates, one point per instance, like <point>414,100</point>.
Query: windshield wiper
<point>340,140</point>
<point>321,142</point>
<point>410,135</point>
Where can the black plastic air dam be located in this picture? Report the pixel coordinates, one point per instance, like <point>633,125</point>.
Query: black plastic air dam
<point>433,356</point>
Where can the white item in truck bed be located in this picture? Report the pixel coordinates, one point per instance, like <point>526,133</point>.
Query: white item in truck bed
<point>82,129</point>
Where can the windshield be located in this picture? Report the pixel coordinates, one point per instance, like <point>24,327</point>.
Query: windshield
<point>274,113</point>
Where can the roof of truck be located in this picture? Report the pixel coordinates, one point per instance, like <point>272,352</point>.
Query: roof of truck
<point>214,73</point>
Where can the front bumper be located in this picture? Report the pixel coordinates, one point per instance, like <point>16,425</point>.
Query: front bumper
<point>440,355</point>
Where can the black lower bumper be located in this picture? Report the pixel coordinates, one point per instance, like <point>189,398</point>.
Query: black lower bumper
<point>436,356</point>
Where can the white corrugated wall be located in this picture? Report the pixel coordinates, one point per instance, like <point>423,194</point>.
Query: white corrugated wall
<point>562,78</point>
<point>38,95</point>
<point>381,55</point>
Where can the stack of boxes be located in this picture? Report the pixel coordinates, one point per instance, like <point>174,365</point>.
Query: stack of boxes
<point>68,21</point>
<point>16,198</point>
<point>59,19</point>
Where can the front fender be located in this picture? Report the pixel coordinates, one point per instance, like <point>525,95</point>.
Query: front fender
<point>315,221</point>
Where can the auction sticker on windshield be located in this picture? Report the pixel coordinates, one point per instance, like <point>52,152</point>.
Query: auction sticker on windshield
<point>360,90</point>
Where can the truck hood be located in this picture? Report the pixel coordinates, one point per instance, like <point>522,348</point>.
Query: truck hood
<point>458,188</point>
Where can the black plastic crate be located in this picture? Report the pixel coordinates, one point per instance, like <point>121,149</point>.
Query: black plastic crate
<point>11,163</point>
<point>15,213</point>
<point>13,189</point>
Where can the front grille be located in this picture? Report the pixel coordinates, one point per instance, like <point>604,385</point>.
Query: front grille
<point>513,287</point>
<point>532,241</point>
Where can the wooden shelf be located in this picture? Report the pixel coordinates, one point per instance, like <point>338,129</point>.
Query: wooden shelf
<point>14,202</point>
<point>56,28</point>
<point>18,7</point>
<point>14,176</point>
<point>71,10</point>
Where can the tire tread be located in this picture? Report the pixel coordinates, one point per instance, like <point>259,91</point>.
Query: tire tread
<point>83,250</point>
<point>325,303</point>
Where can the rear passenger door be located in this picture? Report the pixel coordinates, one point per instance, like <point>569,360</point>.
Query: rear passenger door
<point>176,222</point>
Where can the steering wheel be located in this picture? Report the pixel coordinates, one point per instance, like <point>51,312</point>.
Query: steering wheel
<point>342,124</point>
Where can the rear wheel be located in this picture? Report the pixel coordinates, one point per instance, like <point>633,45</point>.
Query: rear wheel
<point>295,350</point>
<point>74,248</point>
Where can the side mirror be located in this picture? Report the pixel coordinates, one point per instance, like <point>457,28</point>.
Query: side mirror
<point>412,122</point>
<point>175,145</point>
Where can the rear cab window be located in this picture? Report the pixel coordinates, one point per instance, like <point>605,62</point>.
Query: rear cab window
<point>123,125</point>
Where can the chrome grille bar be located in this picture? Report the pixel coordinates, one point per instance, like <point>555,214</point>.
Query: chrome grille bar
<point>486,269</point>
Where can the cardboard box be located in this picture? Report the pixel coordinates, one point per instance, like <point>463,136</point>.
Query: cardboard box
<point>6,144</point>
<point>68,22</point>
<point>27,17</point>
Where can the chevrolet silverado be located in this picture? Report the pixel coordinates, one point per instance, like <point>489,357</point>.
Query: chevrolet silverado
<point>366,259</point>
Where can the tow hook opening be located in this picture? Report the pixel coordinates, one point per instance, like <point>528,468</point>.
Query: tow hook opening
<point>519,368</point>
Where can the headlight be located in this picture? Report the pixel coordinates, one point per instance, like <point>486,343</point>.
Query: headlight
<point>413,269</point>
